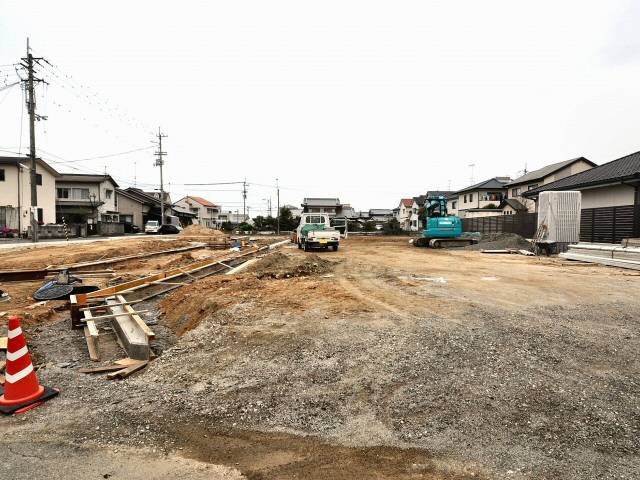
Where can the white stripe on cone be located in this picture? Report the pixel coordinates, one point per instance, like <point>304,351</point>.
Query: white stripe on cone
<point>14,333</point>
<point>13,356</point>
<point>16,377</point>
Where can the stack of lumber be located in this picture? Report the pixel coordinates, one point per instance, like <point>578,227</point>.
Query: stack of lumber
<point>605,254</point>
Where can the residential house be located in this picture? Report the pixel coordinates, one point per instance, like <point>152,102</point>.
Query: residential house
<point>295,211</point>
<point>86,198</point>
<point>380,215</point>
<point>403,213</point>
<point>610,199</point>
<point>207,212</point>
<point>415,222</point>
<point>137,207</point>
<point>543,176</point>
<point>511,206</point>
<point>611,184</point>
<point>15,193</point>
<point>452,203</point>
<point>330,206</point>
<point>482,199</point>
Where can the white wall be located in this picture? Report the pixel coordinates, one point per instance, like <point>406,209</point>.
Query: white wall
<point>46,192</point>
<point>609,196</point>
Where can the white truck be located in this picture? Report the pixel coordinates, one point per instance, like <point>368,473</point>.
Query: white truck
<point>315,231</point>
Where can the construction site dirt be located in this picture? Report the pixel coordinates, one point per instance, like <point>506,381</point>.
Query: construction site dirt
<point>379,361</point>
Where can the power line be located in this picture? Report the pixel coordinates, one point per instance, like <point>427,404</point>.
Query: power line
<point>99,157</point>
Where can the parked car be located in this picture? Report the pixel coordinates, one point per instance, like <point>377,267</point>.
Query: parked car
<point>168,229</point>
<point>131,228</point>
<point>152,226</point>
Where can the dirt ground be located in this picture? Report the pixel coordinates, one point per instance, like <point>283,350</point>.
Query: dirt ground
<point>377,361</point>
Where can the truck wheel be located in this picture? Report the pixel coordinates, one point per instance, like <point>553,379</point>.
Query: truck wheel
<point>299,246</point>
<point>306,247</point>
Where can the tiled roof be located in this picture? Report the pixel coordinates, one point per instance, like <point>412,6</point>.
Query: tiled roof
<point>548,170</point>
<point>439,193</point>
<point>407,202</point>
<point>513,203</point>
<point>26,161</point>
<point>495,182</point>
<point>625,168</point>
<point>321,202</point>
<point>85,178</point>
<point>202,201</point>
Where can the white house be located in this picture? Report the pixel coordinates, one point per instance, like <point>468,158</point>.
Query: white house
<point>86,198</point>
<point>207,212</point>
<point>15,193</point>
<point>403,213</point>
<point>543,176</point>
<point>482,199</point>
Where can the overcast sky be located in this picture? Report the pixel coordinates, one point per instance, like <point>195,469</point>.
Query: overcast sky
<point>364,100</point>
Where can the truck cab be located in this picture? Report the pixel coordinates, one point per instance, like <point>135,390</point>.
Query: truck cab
<point>315,231</point>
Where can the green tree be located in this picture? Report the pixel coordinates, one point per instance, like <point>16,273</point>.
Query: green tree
<point>287,221</point>
<point>392,227</point>
<point>369,227</point>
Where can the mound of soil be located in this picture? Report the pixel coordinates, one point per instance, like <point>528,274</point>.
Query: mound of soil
<point>500,241</point>
<point>200,231</point>
<point>281,265</point>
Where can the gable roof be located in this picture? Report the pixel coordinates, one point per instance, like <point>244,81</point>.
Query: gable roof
<point>138,195</point>
<point>86,178</point>
<point>27,161</point>
<point>380,211</point>
<point>420,199</point>
<point>624,168</point>
<point>495,182</point>
<point>321,202</point>
<point>439,193</point>
<point>407,202</point>
<point>513,203</point>
<point>202,201</point>
<point>548,170</point>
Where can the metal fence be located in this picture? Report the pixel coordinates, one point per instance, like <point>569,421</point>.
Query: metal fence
<point>523,224</point>
<point>609,224</point>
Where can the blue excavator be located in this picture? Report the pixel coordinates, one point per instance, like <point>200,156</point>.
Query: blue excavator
<point>441,229</point>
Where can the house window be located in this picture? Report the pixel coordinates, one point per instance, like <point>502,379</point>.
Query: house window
<point>107,194</point>
<point>471,197</point>
<point>1,174</point>
<point>40,216</point>
<point>38,179</point>
<point>453,205</point>
<point>465,199</point>
<point>314,210</point>
<point>515,192</point>
<point>532,186</point>
<point>80,193</point>
<point>63,192</point>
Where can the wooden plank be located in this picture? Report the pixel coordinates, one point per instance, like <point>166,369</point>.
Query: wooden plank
<point>112,315</point>
<point>92,345</point>
<point>108,368</point>
<point>125,372</point>
<point>103,306</point>
<point>126,362</point>
<point>141,323</point>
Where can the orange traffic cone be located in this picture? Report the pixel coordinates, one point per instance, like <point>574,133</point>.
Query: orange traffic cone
<point>22,391</point>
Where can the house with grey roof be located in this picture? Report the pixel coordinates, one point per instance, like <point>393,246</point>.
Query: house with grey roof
<point>611,184</point>
<point>86,198</point>
<point>482,199</point>
<point>543,176</point>
<point>330,206</point>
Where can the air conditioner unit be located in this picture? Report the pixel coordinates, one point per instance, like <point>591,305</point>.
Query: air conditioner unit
<point>559,212</point>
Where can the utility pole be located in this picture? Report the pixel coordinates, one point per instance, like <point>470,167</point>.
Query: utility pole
<point>244,199</point>
<point>472,165</point>
<point>278,212</point>
<point>160,163</point>
<point>31,106</point>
